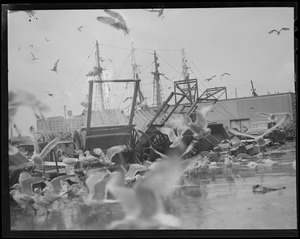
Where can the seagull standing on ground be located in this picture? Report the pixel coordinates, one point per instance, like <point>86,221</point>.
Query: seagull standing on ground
<point>55,66</point>
<point>116,20</point>
<point>278,32</point>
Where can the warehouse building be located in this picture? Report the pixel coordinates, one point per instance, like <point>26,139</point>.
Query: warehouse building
<point>236,113</point>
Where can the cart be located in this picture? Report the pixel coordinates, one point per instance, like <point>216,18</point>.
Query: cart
<point>116,129</point>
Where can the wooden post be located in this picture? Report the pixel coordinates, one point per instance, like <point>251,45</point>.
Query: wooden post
<point>89,113</point>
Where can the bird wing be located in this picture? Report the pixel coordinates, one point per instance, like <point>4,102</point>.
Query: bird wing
<point>152,10</point>
<point>263,114</point>
<point>26,184</point>
<point>32,55</point>
<point>56,183</point>
<point>93,178</point>
<point>127,99</point>
<point>49,146</point>
<point>279,123</point>
<point>107,20</point>
<point>125,195</point>
<point>151,203</point>
<point>235,132</point>
<point>114,150</point>
<point>225,74</point>
<point>55,64</point>
<point>34,140</point>
<point>133,169</point>
<point>99,189</point>
<point>201,115</point>
<point>168,131</point>
<point>284,29</point>
<point>164,176</point>
<point>116,15</point>
<point>272,31</point>
<point>99,152</point>
<point>178,120</point>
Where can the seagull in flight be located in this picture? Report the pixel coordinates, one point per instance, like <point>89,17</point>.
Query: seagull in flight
<point>127,98</point>
<point>159,11</point>
<point>116,20</point>
<point>47,39</point>
<point>143,204</point>
<point>19,98</point>
<point>260,138</point>
<point>270,116</point>
<point>224,74</point>
<point>209,79</point>
<point>33,57</point>
<point>39,157</point>
<point>48,93</point>
<point>55,66</point>
<point>176,140</point>
<point>79,28</point>
<point>278,32</point>
<point>199,127</point>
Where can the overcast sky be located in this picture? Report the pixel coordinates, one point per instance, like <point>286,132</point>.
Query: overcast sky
<point>215,40</point>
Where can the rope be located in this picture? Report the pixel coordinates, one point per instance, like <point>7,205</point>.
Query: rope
<point>72,84</point>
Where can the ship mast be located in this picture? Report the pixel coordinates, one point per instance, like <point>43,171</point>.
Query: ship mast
<point>135,71</point>
<point>99,96</point>
<point>157,93</point>
<point>185,73</point>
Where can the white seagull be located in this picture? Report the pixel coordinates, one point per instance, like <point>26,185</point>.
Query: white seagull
<point>176,140</point>
<point>116,20</point>
<point>39,157</point>
<point>270,116</point>
<point>143,204</point>
<point>199,127</point>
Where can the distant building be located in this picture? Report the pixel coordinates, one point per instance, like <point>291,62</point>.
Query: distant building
<point>241,112</point>
<point>60,124</point>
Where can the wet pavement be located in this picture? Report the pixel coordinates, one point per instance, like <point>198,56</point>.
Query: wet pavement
<point>202,203</point>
